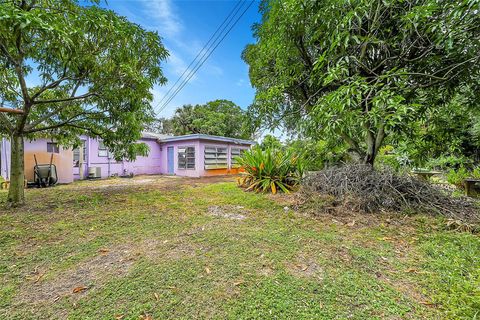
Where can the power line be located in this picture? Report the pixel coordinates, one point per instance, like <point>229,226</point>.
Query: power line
<point>204,56</point>
<point>200,52</point>
<point>201,62</point>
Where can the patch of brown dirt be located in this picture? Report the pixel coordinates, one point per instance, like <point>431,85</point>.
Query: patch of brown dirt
<point>213,179</point>
<point>228,212</point>
<point>266,270</point>
<point>112,262</point>
<point>109,262</point>
<point>305,267</point>
<point>182,250</point>
<point>171,249</point>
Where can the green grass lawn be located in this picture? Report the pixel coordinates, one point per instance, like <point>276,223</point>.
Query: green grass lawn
<point>168,248</point>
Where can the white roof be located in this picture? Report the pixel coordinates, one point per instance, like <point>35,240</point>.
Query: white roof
<point>205,137</point>
<point>153,135</point>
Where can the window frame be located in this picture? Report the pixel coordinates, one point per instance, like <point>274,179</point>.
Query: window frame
<point>76,163</point>
<point>189,155</point>
<point>233,163</point>
<point>102,147</point>
<point>220,163</point>
<point>56,147</point>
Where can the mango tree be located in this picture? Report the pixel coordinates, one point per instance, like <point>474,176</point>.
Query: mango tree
<point>361,70</point>
<point>74,69</point>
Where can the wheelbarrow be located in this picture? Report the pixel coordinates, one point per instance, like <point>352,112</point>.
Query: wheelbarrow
<point>45,175</point>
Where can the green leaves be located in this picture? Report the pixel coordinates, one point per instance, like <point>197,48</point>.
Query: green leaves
<point>218,117</point>
<point>270,170</point>
<point>362,69</point>
<point>95,70</point>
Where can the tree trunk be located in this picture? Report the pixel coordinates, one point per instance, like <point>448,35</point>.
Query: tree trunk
<point>371,150</point>
<point>370,159</point>
<point>16,195</point>
<point>374,142</point>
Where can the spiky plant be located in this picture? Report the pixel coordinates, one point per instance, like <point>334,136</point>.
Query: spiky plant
<point>270,170</point>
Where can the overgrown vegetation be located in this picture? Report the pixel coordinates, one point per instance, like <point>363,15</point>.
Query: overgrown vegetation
<point>362,188</point>
<point>314,154</point>
<point>153,248</point>
<point>370,72</point>
<point>270,170</point>
<point>218,117</point>
<point>457,176</point>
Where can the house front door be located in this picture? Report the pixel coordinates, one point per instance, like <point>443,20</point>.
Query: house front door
<point>170,160</point>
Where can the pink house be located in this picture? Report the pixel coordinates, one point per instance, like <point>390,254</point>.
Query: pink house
<point>194,155</point>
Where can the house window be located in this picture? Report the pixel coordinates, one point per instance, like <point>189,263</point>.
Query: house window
<point>76,154</point>
<point>234,153</point>
<point>102,149</point>
<point>215,158</point>
<point>186,157</point>
<point>52,147</point>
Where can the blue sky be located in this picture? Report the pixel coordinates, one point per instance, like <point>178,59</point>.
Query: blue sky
<point>185,27</point>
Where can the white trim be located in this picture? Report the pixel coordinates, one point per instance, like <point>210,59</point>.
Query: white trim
<point>207,137</point>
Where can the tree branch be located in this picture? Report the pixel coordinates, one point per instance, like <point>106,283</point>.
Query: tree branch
<point>49,86</point>
<point>380,136</point>
<point>23,84</point>
<point>7,54</point>
<point>96,133</point>
<point>58,125</point>
<point>353,144</point>
<point>45,117</point>
<point>84,96</point>
<point>5,121</point>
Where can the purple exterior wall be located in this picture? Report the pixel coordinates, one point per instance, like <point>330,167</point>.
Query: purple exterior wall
<point>109,167</point>
<point>155,163</point>
<point>175,145</point>
<point>199,145</point>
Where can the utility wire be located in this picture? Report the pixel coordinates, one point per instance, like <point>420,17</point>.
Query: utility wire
<point>200,52</point>
<point>204,58</point>
<point>200,63</point>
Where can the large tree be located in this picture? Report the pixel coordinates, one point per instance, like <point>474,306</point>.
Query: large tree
<point>74,70</point>
<point>218,117</point>
<point>361,69</point>
<point>449,135</point>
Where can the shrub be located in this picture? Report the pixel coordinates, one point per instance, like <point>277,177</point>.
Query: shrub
<point>451,161</point>
<point>388,157</point>
<point>318,154</point>
<point>456,177</point>
<point>476,173</point>
<point>270,170</point>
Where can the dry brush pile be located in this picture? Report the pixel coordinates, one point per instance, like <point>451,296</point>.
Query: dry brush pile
<point>359,187</point>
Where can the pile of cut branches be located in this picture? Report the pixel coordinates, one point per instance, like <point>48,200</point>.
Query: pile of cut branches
<point>359,187</point>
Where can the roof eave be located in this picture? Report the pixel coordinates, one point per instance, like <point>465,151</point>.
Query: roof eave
<point>206,137</point>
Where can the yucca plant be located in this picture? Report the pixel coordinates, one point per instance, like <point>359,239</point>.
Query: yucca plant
<point>270,170</point>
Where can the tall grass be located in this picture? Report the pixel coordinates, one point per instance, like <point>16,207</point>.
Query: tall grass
<point>270,170</point>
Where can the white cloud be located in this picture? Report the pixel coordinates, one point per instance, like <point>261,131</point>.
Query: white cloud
<point>164,17</point>
<point>176,64</point>
<point>241,82</point>
<point>214,70</point>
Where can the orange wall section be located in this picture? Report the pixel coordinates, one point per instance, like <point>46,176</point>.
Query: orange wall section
<point>62,160</point>
<point>219,172</point>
